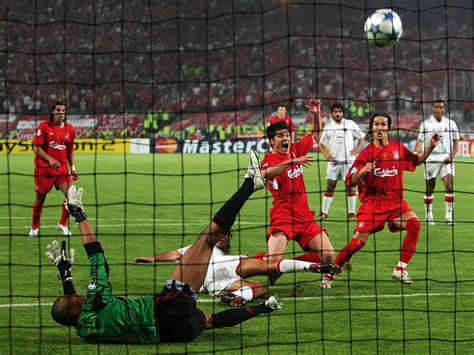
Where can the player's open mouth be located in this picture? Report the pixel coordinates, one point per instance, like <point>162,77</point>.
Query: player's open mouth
<point>285,145</point>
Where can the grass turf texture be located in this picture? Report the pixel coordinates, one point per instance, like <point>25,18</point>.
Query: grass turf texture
<point>145,204</point>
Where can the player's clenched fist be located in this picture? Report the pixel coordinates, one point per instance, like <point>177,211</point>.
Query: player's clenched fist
<point>369,167</point>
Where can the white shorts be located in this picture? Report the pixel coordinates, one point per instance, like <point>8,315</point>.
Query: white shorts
<point>221,275</point>
<point>337,171</point>
<point>434,169</point>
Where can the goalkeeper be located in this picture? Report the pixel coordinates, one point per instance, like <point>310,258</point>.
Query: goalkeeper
<point>172,315</point>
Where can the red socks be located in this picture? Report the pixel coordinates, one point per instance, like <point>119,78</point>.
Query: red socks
<point>64,216</point>
<point>350,249</point>
<point>409,243</point>
<point>37,210</point>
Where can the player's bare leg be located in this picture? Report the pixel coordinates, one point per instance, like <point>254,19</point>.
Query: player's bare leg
<point>429,199</point>
<point>194,263</point>
<point>322,245</point>
<point>275,250</point>
<point>408,221</point>
<point>327,198</point>
<point>449,198</point>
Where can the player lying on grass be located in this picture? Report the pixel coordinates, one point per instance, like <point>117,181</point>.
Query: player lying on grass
<point>172,315</point>
<point>226,274</point>
<point>378,174</point>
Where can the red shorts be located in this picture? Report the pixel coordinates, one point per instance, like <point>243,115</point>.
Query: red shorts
<point>45,178</point>
<point>372,215</point>
<point>302,233</point>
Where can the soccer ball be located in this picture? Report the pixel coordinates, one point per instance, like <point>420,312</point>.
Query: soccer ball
<point>383,28</point>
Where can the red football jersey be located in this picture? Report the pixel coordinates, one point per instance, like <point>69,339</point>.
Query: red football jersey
<point>286,119</point>
<point>57,142</point>
<point>290,203</point>
<point>385,182</point>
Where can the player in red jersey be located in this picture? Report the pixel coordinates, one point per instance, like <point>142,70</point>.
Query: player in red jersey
<point>378,173</point>
<point>290,216</point>
<point>282,116</point>
<point>53,146</point>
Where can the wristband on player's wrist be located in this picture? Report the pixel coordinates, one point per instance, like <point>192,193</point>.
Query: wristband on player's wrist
<point>78,213</point>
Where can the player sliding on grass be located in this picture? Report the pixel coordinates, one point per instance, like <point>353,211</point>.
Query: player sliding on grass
<point>290,215</point>
<point>172,315</point>
<point>378,173</point>
<point>226,274</point>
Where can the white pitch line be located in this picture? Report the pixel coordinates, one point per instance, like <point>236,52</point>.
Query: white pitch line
<point>156,220</point>
<point>160,224</point>
<point>357,297</point>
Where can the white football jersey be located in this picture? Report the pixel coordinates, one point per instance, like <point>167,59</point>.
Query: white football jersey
<point>447,130</point>
<point>340,139</point>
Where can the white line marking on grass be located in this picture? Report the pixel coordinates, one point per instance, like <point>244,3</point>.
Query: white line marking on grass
<point>157,224</point>
<point>435,294</point>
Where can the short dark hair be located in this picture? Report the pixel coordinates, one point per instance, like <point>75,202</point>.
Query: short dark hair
<point>339,106</point>
<point>274,128</point>
<point>370,134</point>
<point>57,103</point>
<point>61,311</point>
<point>438,101</point>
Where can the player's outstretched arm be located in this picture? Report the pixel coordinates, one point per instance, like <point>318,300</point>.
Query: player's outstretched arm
<point>275,170</point>
<point>76,209</point>
<point>63,261</point>
<point>171,255</point>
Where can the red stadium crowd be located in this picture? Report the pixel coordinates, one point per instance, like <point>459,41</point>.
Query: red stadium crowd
<point>135,59</point>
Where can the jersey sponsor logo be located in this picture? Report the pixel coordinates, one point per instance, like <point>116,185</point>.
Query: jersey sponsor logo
<point>57,146</point>
<point>385,172</point>
<point>294,173</point>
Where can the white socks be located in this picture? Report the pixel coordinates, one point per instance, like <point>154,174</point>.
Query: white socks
<point>245,292</point>
<point>284,266</point>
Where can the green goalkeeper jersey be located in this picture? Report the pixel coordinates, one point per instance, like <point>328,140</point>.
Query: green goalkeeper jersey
<point>106,318</point>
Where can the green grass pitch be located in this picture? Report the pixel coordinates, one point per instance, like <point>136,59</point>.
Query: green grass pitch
<point>142,204</point>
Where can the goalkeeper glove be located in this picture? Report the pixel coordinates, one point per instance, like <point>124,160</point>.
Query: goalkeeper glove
<point>58,255</point>
<point>74,204</point>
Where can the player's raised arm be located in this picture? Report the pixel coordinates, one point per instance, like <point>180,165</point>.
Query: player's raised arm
<point>63,261</point>
<point>314,106</point>
<point>76,209</point>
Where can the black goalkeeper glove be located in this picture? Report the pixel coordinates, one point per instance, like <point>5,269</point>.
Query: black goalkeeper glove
<point>58,255</point>
<point>74,204</point>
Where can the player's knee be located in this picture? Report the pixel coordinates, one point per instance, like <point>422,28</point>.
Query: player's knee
<point>413,226</point>
<point>327,256</point>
